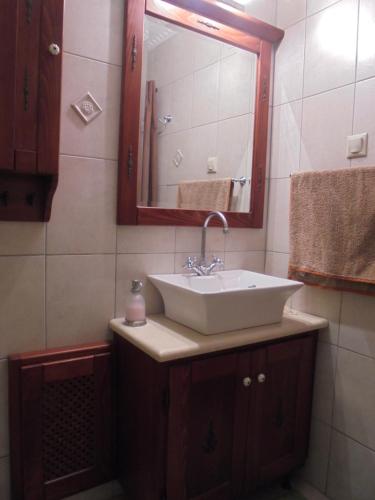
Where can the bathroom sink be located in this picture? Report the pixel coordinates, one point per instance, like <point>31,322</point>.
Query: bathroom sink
<point>224,301</point>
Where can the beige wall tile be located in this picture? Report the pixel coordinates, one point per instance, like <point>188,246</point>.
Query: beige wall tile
<point>351,471</point>
<point>22,304</point>
<point>145,239</point>
<point>80,298</point>
<point>188,239</point>
<point>278,216</point>
<point>98,139</point>
<point>357,329</point>
<point>366,49</point>
<point>4,429</point>
<point>22,238</point>
<point>138,266</point>
<point>290,11</point>
<point>94,28</point>
<point>316,466</point>
<point>251,261</point>
<point>245,240</point>
<point>4,478</point>
<point>354,412</point>
<point>324,383</point>
<point>277,264</point>
<point>84,208</point>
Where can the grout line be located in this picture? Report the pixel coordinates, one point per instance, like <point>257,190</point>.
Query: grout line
<point>353,439</point>
<point>86,157</point>
<point>92,59</point>
<point>308,16</point>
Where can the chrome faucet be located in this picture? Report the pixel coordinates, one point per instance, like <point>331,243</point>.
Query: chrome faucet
<point>201,268</point>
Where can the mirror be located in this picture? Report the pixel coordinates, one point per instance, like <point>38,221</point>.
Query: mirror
<point>194,123</point>
<point>197,121</point>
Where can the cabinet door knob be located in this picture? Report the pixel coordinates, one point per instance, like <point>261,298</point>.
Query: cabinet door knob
<point>54,49</point>
<point>247,381</point>
<point>261,378</point>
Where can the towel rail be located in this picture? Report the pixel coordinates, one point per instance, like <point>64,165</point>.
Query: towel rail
<point>241,180</point>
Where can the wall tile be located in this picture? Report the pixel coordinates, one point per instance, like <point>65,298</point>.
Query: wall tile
<point>289,58</point>
<point>364,119</point>
<point>366,40</point>
<point>290,11</point>
<point>137,266</point>
<point>80,298</point>
<point>324,382</point>
<point>206,51</point>
<point>308,491</point>
<point>316,466</point>
<point>330,55</point>
<point>102,492</point>
<point>203,146</point>
<point>314,6</point>
<point>22,304</point>
<point>278,216</point>
<point>351,471</point>
<point>181,104</point>
<point>354,412</point>
<point>251,261</point>
<point>326,123</point>
<point>4,425</point>
<point>286,139</point>
<point>205,95</point>
<point>4,478</point>
<point>22,238</point>
<point>84,209</point>
<point>277,264</point>
<point>244,240</point>
<point>357,331</point>
<point>324,303</point>
<point>235,146</point>
<point>262,9</point>
<point>145,239</point>
<point>98,139</point>
<point>94,29</point>
<point>237,84</point>
<point>188,239</point>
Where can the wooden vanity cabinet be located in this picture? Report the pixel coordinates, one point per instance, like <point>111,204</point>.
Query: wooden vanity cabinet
<point>213,427</point>
<point>30,88</point>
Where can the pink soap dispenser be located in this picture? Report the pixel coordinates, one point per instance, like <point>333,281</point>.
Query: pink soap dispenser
<point>135,310</point>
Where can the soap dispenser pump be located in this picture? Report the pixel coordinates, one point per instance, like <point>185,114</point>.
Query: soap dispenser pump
<point>135,310</point>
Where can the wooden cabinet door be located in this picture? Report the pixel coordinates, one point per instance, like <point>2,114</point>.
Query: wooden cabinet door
<point>61,422</point>
<point>207,425</point>
<point>280,417</point>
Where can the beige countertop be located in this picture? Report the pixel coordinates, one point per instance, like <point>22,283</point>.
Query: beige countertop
<point>165,340</point>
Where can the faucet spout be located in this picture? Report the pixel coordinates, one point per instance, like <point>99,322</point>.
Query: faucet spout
<point>211,215</point>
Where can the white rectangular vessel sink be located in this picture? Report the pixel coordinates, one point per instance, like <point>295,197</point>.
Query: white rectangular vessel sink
<point>224,301</point>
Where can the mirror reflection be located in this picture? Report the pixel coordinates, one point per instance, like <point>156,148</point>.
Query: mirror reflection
<point>197,121</point>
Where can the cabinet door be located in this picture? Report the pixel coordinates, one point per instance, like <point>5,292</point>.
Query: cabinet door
<point>281,419</point>
<point>207,416</point>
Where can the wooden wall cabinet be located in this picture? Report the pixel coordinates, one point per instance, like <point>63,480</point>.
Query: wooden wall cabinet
<point>30,88</point>
<point>213,427</point>
<point>61,421</point>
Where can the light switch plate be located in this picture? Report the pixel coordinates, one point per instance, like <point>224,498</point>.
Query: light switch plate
<point>212,165</point>
<point>357,145</point>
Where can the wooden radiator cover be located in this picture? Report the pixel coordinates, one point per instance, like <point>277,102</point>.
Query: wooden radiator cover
<point>61,421</point>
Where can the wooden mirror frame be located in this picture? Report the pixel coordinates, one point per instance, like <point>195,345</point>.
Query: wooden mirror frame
<point>224,23</point>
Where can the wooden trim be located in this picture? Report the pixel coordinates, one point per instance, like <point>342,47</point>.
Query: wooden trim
<point>238,29</point>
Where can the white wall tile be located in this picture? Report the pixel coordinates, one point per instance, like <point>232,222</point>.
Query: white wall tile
<point>83,216</point>
<point>22,238</point>
<point>286,139</point>
<point>137,266</point>
<point>366,40</point>
<point>94,29</point>
<point>278,216</point>
<point>330,55</point>
<point>324,303</point>
<point>235,146</point>
<point>314,6</point>
<point>324,382</point>
<point>354,412</point>
<point>351,472</point>
<point>251,261</point>
<point>326,123</point>
<point>188,239</point>
<point>290,11</point>
<point>277,264</point>
<point>181,104</point>
<point>265,10</point>
<point>245,240</point>
<point>316,466</point>
<point>203,146</point>
<point>364,119</point>
<point>4,424</point>
<point>289,59</point>
<point>357,329</point>
<point>206,51</point>
<point>5,478</point>
<point>205,95</point>
<point>98,139</point>
<point>145,239</point>
<point>22,304</point>
<point>80,298</point>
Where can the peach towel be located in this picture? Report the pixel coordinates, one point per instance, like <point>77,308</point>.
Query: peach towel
<point>332,229</point>
<point>205,195</point>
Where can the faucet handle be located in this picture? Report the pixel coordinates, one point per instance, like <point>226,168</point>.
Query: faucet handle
<point>190,263</point>
<point>219,263</point>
